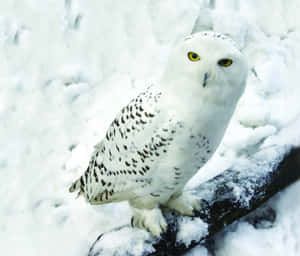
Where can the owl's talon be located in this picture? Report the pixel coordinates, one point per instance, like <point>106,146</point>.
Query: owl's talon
<point>197,204</point>
<point>185,203</point>
<point>164,226</point>
<point>151,220</point>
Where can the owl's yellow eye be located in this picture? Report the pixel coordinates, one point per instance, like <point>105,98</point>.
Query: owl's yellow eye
<point>225,62</point>
<point>193,56</point>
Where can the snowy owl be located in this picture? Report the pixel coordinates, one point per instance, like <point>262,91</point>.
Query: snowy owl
<point>167,133</point>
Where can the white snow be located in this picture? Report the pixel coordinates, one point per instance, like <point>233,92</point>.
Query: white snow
<point>133,242</point>
<point>190,229</point>
<point>66,68</point>
<point>198,251</point>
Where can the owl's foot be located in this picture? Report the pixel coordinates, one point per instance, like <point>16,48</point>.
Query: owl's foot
<point>185,203</point>
<point>150,219</point>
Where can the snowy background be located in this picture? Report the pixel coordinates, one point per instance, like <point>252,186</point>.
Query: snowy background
<point>66,68</point>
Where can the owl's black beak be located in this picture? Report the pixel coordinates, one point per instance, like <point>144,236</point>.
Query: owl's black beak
<point>206,75</point>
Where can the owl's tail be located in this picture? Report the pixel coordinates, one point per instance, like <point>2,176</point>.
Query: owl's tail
<point>75,186</point>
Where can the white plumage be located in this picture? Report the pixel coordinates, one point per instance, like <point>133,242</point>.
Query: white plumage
<point>163,136</point>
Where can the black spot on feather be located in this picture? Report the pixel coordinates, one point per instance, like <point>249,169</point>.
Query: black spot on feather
<point>95,175</point>
<point>81,181</point>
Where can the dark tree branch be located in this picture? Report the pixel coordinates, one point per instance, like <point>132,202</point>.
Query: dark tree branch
<point>226,198</point>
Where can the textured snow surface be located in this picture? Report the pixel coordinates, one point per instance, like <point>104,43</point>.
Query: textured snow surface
<point>66,68</point>
<point>134,242</point>
<point>190,229</point>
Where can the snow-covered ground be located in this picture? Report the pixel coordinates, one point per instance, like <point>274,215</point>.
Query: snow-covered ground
<point>66,68</point>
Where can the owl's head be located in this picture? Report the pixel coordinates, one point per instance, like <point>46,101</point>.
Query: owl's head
<point>207,64</point>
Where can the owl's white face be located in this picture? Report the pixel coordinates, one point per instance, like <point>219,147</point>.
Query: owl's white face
<point>208,65</point>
